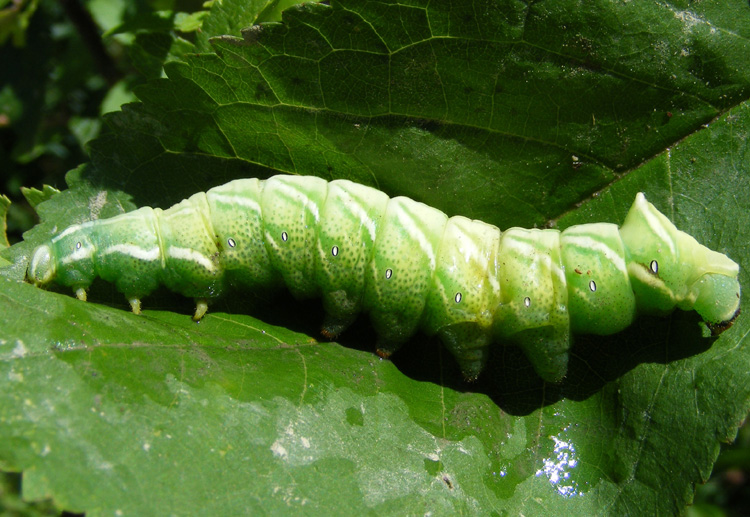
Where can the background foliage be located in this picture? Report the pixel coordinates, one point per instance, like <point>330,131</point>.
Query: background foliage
<point>528,114</point>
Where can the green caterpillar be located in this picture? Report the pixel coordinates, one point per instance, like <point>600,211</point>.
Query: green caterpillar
<point>410,266</point>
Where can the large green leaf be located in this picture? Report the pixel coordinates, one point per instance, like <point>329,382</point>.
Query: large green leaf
<point>545,114</point>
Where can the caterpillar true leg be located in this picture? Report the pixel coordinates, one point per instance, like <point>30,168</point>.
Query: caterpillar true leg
<point>201,306</point>
<point>81,294</point>
<point>135,305</point>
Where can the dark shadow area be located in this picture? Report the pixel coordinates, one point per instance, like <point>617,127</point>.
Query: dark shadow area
<point>509,378</point>
<point>511,382</point>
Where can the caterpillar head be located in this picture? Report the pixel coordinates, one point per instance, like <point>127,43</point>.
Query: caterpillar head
<point>669,268</point>
<point>66,259</point>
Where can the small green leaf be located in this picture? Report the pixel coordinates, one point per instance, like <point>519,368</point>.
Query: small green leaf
<point>35,196</point>
<point>189,22</point>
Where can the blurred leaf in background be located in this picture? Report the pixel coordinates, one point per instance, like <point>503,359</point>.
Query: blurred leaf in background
<point>66,74</point>
<point>14,20</point>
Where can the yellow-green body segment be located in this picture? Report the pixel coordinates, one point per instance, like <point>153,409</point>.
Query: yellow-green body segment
<point>410,266</point>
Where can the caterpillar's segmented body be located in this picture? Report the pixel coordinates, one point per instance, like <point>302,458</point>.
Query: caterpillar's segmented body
<point>410,266</point>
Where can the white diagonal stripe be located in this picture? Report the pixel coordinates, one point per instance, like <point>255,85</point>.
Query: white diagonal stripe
<point>657,227</point>
<point>293,191</point>
<point>192,256</point>
<point>409,223</point>
<point>236,199</point>
<point>133,250</point>
<point>586,242</point>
